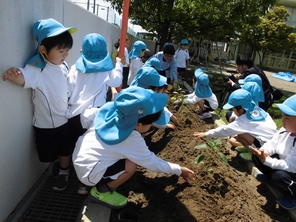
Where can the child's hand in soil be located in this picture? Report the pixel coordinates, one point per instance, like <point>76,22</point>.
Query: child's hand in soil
<point>187,174</point>
<point>261,154</point>
<point>171,126</point>
<point>199,134</point>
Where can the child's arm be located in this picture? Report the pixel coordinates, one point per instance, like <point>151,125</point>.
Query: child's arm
<point>199,134</point>
<point>175,120</point>
<point>115,77</point>
<point>187,174</point>
<point>15,76</point>
<point>230,129</point>
<point>261,154</point>
<point>114,93</point>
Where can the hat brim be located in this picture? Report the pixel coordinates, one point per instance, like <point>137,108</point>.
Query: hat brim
<point>286,109</point>
<point>241,81</point>
<point>163,119</point>
<point>60,31</point>
<point>228,106</point>
<point>91,66</point>
<point>162,81</point>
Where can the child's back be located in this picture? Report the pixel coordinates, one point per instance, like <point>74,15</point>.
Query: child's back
<point>91,76</point>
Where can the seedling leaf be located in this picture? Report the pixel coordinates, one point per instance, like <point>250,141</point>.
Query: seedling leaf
<point>223,157</point>
<point>199,158</point>
<point>201,146</point>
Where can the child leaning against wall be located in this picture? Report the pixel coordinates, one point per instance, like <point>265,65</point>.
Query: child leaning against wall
<point>46,74</point>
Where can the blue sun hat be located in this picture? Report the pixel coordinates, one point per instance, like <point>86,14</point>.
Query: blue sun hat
<point>43,29</point>
<point>243,98</point>
<point>184,42</point>
<point>137,49</point>
<point>153,62</point>
<point>255,90</point>
<point>288,106</point>
<point>116,120</point>
<point>198,72</point>
<point>94,57</point>
<point>251,78</point>
<point>148,76</point>
<point>202,88</point>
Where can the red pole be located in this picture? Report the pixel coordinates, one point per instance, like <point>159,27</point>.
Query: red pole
<point>124,24</point>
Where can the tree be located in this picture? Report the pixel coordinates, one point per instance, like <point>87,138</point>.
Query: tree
<point>216,20</point>
<point>156,16</point>
<point>270,33</point>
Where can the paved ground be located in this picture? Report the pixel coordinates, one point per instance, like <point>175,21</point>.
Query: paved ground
<point>275,82</point>
<point>281,84</point>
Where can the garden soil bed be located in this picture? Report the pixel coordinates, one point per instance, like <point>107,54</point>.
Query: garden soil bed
<point>220,192</point>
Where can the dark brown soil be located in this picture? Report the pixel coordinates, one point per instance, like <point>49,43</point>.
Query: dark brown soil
<point>220,192</point>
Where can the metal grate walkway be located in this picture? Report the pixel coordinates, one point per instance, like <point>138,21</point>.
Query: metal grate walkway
<point>53,206</point>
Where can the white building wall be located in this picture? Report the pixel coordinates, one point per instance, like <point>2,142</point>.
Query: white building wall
<point>19,164</point>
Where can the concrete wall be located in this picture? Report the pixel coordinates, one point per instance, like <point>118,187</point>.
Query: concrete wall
<point>19,165</point>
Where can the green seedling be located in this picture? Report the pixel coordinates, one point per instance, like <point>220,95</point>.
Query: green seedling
<point>199,159</point>
<point>223,157</point>
<point>201,146</point>
<point>213,143</point>
<point>210,170</point>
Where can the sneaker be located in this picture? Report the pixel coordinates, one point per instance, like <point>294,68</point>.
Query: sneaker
<point>246,156</point>
<point>205,116</point>
<point>111,199</point>
<point>287,202</point>
<point>261,177</point>
<point>242,149</point>
<point>82,189</point>
<point>61,182</point>
<point>199,112</point>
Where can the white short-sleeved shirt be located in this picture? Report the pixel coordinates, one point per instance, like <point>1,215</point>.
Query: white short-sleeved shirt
<point>135,65</point>
<point>181,56</point>
<point>92,157</point>
<point>88,90</point>
<point>263,130</point>
<point>193,99</point>
<point>50,94</point>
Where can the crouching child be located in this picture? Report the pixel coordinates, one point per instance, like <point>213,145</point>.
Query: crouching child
<point>203,95</point>
<point>106,156</point>
<point>253,125</point>
<point>276,159</point>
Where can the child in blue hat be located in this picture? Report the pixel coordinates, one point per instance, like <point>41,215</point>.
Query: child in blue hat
<point>106,156</point>
<point>89,79</point>
<point>149,78</point>
<point>253,84</point>
<point>276,159</point>
<point>154,63</point>
<point>203,95</point>
<point>253,125</point>
<point>168,67</point>
<point>46,74</point>
<point>182,56</point>
<point>135,57</point>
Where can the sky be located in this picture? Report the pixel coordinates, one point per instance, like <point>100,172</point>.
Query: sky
<point>104,10</point>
